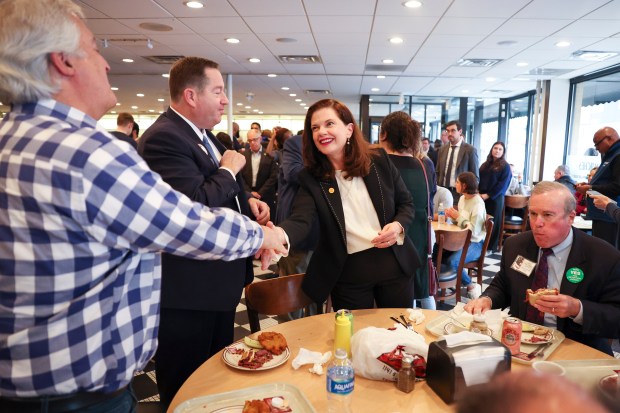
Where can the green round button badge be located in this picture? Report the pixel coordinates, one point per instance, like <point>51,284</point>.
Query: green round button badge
<point>574,275</point>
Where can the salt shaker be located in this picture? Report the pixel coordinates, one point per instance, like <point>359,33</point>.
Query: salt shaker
<point>405,381</point>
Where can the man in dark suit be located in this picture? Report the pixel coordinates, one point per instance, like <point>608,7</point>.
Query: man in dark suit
<point>429,150</point>
<point>124,128</point>
<point>455,158</point>
<point>584,269</point>
<point>260,173</point>
<point>199,298</point>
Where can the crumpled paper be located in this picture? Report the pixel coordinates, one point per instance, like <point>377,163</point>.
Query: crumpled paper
<point>315,358</point>
<point>416,316</point>
<point>464,338</point>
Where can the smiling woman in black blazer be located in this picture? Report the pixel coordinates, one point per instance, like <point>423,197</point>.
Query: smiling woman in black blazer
<point>363,207</point>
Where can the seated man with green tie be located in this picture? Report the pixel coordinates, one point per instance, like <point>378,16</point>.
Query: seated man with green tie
<point>584,269</point>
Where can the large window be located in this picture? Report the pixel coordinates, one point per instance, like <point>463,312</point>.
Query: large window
<point>518,133</point>
<point>595,103</point>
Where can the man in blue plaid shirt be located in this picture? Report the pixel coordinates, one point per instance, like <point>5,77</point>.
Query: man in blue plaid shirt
<point>82,220</point>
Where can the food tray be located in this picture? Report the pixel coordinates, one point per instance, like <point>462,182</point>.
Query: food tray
<point>437,325</point>
<point>232,401</point>
<point>587,373</point>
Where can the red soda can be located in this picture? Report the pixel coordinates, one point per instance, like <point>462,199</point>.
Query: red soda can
<point>511,334</point>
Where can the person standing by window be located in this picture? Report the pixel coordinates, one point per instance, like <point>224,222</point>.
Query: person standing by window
<point>495,177</point>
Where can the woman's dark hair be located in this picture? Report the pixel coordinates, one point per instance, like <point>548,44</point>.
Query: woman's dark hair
<point>281,136</point>
<point>225,140</point>
<point>470,181</point>
<point>356,152</point>
<point>493,164</point>
<point>401,133</point>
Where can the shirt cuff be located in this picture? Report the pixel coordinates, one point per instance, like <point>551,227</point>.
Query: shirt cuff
<point>229,171</point>
<point>579,317</point>
<point>277,257</point>
<point>400,240</point>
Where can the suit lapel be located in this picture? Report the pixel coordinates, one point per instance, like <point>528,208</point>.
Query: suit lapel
<point>376,193</point>
<point>575,259</point>
<point>331,193</point>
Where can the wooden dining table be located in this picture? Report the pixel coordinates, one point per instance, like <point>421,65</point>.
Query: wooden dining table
<point>316,333</point>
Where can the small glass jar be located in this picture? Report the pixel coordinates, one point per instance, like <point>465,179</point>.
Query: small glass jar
<point>405,381</point>
<point>479,324</point>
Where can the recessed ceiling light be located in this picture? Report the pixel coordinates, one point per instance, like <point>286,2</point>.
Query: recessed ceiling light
<point>248,107</point>
<point>166,75</point>
<point>292,94</point>
<point>523,64</point>
<point>562,44</point>
<point>118,104</point>
<point>375,89</point>
<point>396,40</point>
<point>239,104</point>
<point>114,88</point>
<point>285,88</point>
<point>232,40</point>
<point>413,4</point>
<point>272,75</point>
<point>151,110</point>
<point>255,110</point>
<point>140,95</point>
<point>388,61</point>
<point>194,4</point>
<point>113,111</point>
<point>254,60</point>
<point>306,107</point>
<point>302,104</point>
<point>134,107</point>
<point>490,79</point>
<point>260,112</point>
<point>160,100</point>
<point>380,77</point>
<point>297,100</point>
<point>128,60</point>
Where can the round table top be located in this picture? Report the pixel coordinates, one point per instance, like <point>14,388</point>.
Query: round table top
<point>316,333</point>
<point>446,227</point>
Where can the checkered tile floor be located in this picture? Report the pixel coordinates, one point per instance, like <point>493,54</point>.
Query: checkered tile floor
<point>144,382</point>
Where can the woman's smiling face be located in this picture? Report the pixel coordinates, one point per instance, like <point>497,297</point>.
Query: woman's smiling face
<point>330,135</point>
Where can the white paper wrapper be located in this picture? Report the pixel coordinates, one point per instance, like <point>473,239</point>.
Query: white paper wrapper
<point>315,358</point>
<point>494,318</point>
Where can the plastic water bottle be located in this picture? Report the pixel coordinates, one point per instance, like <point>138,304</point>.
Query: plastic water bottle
<point>441,214</point>
<point>340,383</point>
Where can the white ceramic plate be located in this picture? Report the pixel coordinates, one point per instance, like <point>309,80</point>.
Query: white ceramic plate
<point>233,359</point>
<point>530,338</point>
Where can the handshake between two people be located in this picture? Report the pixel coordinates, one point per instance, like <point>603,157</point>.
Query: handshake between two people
<point>275,245</point>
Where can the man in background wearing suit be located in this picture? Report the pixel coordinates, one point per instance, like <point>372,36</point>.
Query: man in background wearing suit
<point>199,298</point>
<point>585,270</point>
<point>124,128</point>
<point>455,158</point>
<point>260,174</point>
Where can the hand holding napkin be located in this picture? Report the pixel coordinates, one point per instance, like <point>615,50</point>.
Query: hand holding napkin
<point>306,356</point>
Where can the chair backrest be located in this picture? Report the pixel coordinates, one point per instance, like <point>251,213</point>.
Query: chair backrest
<point>488,227</point>
<point>274,297</point>
<point>452,241</point>
<point>516,201</point>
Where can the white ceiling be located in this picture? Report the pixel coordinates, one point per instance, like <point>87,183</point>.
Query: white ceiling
<point>348,35</point>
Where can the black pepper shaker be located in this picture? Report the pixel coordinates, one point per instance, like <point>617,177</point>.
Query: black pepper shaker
<point>405,381</point>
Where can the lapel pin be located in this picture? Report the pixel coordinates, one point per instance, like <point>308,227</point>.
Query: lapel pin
<point>332,190</point>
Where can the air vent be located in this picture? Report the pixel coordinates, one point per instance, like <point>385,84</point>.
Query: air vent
<point>164,60</point>
<point>592,55</point>
<point>300,59</point>
<point>385,68</point>
<point>317,92</point>
<point>478,62</point>
<point>543,71</point>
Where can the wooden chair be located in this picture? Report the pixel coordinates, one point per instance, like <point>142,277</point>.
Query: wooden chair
<point>274,297</point>
<point>513,224</point>
<point>474,268</point>
<point>448,279</point>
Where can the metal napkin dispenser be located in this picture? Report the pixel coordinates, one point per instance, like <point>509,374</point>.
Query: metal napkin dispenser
<point>450,370</point>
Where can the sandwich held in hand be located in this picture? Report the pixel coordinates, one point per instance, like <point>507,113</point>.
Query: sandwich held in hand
<point>533,296</point>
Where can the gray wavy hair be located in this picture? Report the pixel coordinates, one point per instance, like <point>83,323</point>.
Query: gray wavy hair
<point>29,32</point>
<point>548,186</point>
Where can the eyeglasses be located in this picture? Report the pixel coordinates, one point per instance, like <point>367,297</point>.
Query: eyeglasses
<point>596,144</point>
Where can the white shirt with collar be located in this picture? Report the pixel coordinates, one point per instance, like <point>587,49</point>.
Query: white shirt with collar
<point>452,172</point>
<point>255,158</point>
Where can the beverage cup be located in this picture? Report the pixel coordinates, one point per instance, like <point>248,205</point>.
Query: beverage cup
<point>549,367</point>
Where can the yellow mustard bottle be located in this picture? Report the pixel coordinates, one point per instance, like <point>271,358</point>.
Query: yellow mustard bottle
<point>342,334</point>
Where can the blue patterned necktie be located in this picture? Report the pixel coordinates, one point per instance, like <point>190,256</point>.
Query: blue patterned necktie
<point>207,143</point>
<point>541,276</point>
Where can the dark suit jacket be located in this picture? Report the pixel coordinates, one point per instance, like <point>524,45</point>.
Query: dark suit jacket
<point>172,149</point>
<point>599,291</point>
<point>266,179</point>
<point>391,200</point>
<point>124,137</point>
<point>467,161</point>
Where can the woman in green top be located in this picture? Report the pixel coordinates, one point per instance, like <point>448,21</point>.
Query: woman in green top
<point>401,138</point>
